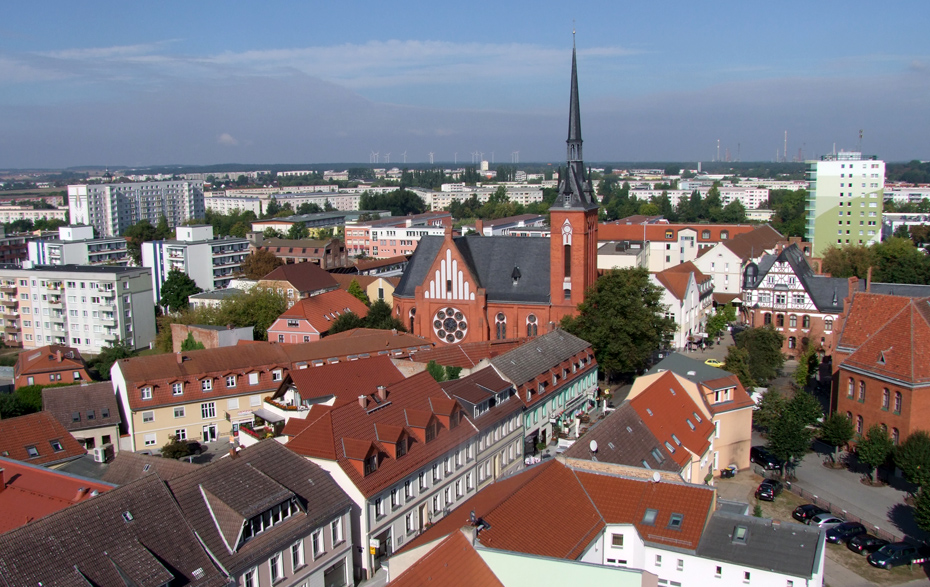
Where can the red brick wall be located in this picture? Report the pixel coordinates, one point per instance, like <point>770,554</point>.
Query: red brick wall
<point>915,408</point>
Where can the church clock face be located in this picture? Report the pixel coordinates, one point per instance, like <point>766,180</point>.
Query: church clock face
<point>450,325</point>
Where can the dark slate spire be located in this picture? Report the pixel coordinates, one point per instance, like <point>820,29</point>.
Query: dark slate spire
<point>575,189</point>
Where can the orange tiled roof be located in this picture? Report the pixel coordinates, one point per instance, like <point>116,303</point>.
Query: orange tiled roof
<point>305,277</point>
<point>675,279</point>
<point>39,430</point>
<point>468,354</point>
<point>899,348</point>
<point>321,310</point>
<point>452,563</point>
<point>868,313</point>
<point>45,360</point>
<point>657,232</point>
<point>346,380</point>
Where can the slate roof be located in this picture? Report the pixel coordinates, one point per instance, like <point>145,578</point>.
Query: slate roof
<point>624,439</point>
<point>219,497</point>
<point>682,365</point>
<point>127,467</point>
<point>140,537</point>
<point>305,277</point>
<point>37,430</point>
<point>452,563</point>
<point>491,260</point>
<point>910,290</point>
<point>537,356</point>
<point>45,360</point>
<point>788,548</point>
<point>30,492</point>
<point>323,309</point>
<point>578,505</point>
<point>827,293</point>
<point>88,402</point>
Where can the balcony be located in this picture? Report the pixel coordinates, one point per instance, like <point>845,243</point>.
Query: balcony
<point>12,303</point>
<point>110,335</point>
<point>55,300</point>
<point>8,289</point>
<point>107,293</point>
<point>11,328</point>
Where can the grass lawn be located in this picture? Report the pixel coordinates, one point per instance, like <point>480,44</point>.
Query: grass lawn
<point>781,509</point>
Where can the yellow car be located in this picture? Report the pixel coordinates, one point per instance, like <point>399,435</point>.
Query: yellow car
<point>714,363</point>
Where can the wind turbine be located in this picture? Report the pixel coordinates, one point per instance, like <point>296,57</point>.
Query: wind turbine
<point>430,157</point>
<point>387,157</point>
<point>405,157</point>
<point>455,158</point>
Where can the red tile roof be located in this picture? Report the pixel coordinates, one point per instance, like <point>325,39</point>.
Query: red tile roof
<point>342,432</point>
<point>39,430</point>
<point>346,380</point>
<point>323,309</point>
<point>452,563</point>
<point>900,347</point>
<point>675,279</point>
<point>46,359</point>
<point>466,355</point>
<point>666,408</point>
<point>305,277</point>
<point>657,232</point>
<point>578,505</point>
<point>29,492</point>
<point>867,314</point>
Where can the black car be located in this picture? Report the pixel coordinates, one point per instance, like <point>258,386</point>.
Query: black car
<point>803,513</point>
<point>865,543</point>
<point>195,448</point>
<point>897,554</point>
<point>762,457</point>
<point>845,531</point>
<point>768,489</point>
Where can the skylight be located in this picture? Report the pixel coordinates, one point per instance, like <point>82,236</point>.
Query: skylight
<point>674,522</point>
<point>649,518</point>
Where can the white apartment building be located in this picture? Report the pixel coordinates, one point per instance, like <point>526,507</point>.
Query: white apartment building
<point>224,204</point>
<point>907,194</point>
<point>111,208</point>
<point>751,198</point>
<point>518,193</point>
<point>79,306</point>
<point>76,245</point>
<point>210,262</point>
<point>13,213</point>
<point>893,221</point>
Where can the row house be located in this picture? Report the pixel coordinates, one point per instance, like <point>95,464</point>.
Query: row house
<point>725,261</point>
<point>89,412</point>
<point>49,365</point>
<point>404,452</point>
<point>209,394</point>
<point>614,516</point>
<point>297,281</point>
<point>879,375</point>
<point>310,318</point>
<point>783,291</point>
<point>325,253</point>
<point>687,295</point>
<point>555,376</point>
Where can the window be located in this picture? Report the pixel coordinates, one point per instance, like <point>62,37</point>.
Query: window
<point>232,404</point>
<point>149,439</point>
<point>658,560</point>
<point>806,322</point>
<point>230,381</point>
<point>886,398</point>
<point>177,389</point>
<point>780,320</point>
<point>208,410</point>
<point>422,481</point>
<point>897,402</point>
<point>858,424</point>
<point>181,433</point>
<point>705,235</point>
<point>532,328</point>
<point>792,342</point>
<point>206,385</point>
<point>371,464</point>
<point>276,564</point>
<point>297,554</point>
<point>681,565</point>
<point>379,507</point>
<point>828,324</point>
<point>75,416</point>
<point>395,498</point>
<point>850,388</point>
<point>56,445</point>
<point>746,577</point>
<point>718,572</point>
<point>861,391</point>
<point>276,375</point>
<point>335,530</point>
<point>767,318</point>
<point>146,393</point>
<point>616,540</point>
<point>250,578</point>
<point>895,436</point>
<point>447,493</point>
<point>179,412</point>
<point>649,519</point>
<point>148,417</point>
<point>408,523</point>
<point>253,378</point>
<point>793,321</point>
<point>674,522</point>
<point>317,541</point>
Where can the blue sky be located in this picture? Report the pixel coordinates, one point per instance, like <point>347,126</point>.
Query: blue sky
<point>131,83</point>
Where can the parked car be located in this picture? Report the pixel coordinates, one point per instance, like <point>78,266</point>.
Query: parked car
<point>865,544</point>
<point>714,363</point>
<point>195,447</point>
<point>762,457</point>
<point>769,489</point>
<point>803,513</point>
<point>897,554</point>
<point>845,531</point>
<point>825,521</point>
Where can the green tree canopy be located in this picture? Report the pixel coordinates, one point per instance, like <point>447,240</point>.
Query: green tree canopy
<point>623,318</point>
<point>874,448</point>
<point>298,231</point>
<point>357,292</point>
<point>189,344</point>
<point>737,362</point>
<point>259,264</point>
<point>175,291</point>
<point>380,317</point>
<point>109,354</point>
<point>175,449</point>
<point>922,509</point>
<point>913,458</point>
<point>837,430</point>
<point>764,347</point>
<point>141,232</point>
<point>771,407</point>
<point>346,321</point>
<point>790,434</point>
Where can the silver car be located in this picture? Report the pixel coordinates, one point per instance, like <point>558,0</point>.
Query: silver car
<point>825,521</point>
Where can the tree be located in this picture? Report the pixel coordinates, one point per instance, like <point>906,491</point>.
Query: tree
<point>771,407</point>
<point>874,448</point>
<point>346,321</point>
<point>297,231</point>
<point>189,344</point>
<point>764,347</point>
<point>717,322</point>
<point>624,320</point>
<point>136,235</point>
<point>436,371</point>
<point>922,510</point>
<point>848,261</point>
<point>175,448</point>
<point>808,362</point>
<point>175,291</point>
<point>899,261</point>
<point>913,458</point>
<point>356,290</point>
<point>110,354</point>
<point>259,264</point>
<point>837,430</point>
<point>737,362</point>
<point>791,432</point>
<point>272,233</point>
<point>380,317</point>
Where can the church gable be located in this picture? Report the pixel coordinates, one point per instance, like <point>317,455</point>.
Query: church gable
<point>449,277</point>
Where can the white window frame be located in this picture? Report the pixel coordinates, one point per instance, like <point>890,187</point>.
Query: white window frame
<point>318,547</point>
<point>149,439</point>
<point>276,566</point>
<point>335,530</point>
<point>297,555</point>
<point>178,389</point>
<point>179,412</point>
<point>230,381</point>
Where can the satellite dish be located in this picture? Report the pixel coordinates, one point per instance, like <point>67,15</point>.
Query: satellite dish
<point>593,446</point>
<point>656,476</point>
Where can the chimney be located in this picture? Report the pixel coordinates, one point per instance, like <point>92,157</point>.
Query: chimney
<point>382,392</point>
<point>2,480</point>
<point>233,453</point>
<point>868,280</point>
<point>58,355</point>
<point>81,492</point>
<point>448,233</point>
<point>479,226</point>
<point>363,401</point>
<point>179,357</point>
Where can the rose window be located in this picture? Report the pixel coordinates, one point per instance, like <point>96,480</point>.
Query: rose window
<point>450,324</point>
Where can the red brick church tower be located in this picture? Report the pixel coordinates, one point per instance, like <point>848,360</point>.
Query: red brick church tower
<point>573,255</point>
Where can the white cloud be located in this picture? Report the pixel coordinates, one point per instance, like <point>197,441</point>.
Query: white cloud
<point>227,139</point>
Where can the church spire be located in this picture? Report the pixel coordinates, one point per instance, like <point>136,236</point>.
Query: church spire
<point>575,189</point>
<point>574,113</point>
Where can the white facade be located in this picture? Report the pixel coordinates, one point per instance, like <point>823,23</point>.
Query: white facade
<point>76,245</point>
<point>907,195</point>
<point>210,262</point>
<point>892,221</point>
<point>751,198</point>
<point>518,193</point>
<point>688,311</point>
<point>111,208</point>
<point>724,268</point>
<point>14,213</point>
<point>83,307</point>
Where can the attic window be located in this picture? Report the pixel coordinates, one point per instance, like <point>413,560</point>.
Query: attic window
<point>649,411</point>
<point>371,464</point>
<point>75,416</point>
<point>672,390</point>
<point>56,445</point>
<point>649,519</point>
<point>881,358</point>
<point>690,424</point>
<point>127,516</point>
<point>32,451</point>
<point>674,522</point>
<point>657,455</point>
<point>740,533</point>
<point>696,417</point>
<point>669,446</point>
<point>675,438</point>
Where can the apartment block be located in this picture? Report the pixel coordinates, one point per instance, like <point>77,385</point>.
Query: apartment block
<point>391,237</point>
<point>844,202</point>
<point>210,262</point>
<point>13,213</point>
<point>111,208</point>
<point>76,245</point>
<point>85,307</point>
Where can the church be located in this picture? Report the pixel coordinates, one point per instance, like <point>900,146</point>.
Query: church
<point>478,288</point>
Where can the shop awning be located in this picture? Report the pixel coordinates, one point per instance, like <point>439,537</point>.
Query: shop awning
<point>268,416</point>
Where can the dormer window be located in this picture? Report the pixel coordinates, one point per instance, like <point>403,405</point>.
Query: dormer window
<point>146,393</point>
<point>371,464</point>
<point>401,447</point>
<point>432,430</point>
<point>206,385</point>
<point>177,389</point>
<point>276,375</point>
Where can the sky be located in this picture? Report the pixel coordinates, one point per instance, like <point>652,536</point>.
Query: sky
<point>199,83</point>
